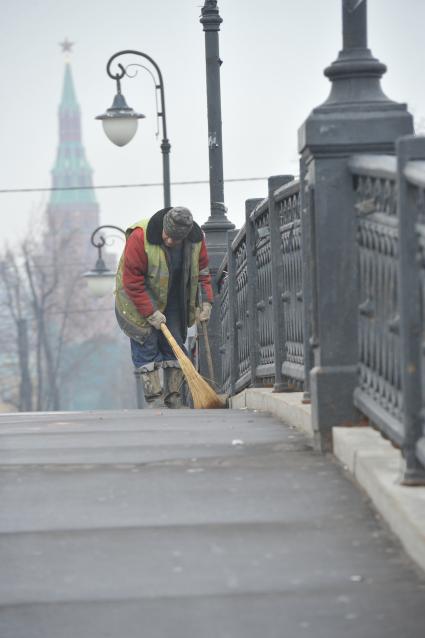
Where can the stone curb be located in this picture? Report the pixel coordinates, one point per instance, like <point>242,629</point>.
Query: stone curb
<point>376,466</point>
<point>369,458</point>
<point>288,407</point>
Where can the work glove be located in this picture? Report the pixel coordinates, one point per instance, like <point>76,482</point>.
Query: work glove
<point>156,319</point>
<point>205,312</point>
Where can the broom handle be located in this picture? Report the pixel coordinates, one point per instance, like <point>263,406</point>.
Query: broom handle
<point>179,352</point>
<point>173,343</point>
<point>208,351</point>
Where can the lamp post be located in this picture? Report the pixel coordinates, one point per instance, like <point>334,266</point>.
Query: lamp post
<point>120,121</point>
<point>100,282</point>
<point>217,225</point>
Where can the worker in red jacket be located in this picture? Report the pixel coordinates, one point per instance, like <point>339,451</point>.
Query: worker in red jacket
<point>163,276</point>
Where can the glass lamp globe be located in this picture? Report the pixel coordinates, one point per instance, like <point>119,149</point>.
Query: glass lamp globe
<point>120,121</point>
<point>101,285</point>
<point>100,280</point>
<point>120,130</point>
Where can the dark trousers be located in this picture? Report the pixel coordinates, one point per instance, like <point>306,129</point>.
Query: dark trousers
<point>156,349</point>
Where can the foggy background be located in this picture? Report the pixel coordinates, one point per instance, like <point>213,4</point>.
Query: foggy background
<point>273,53</point>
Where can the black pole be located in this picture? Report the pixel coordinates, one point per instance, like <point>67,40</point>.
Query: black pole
<point>217,225</point>
<point>211,21</point>
<point>159,85</point>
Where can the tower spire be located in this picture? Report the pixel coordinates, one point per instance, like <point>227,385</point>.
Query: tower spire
<point>72,210</point>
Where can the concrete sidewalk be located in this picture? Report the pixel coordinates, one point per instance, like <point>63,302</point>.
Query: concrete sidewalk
<point>371,460</point>
<point>181,524</point>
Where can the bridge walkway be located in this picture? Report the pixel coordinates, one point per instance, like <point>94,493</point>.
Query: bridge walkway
<point>190,524</point>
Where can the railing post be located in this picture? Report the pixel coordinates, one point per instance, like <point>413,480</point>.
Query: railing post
<point>231,266</point>
<point>410,148</point>
<point>356,118</point>
<point>279,333</point>
<point>251,265</point>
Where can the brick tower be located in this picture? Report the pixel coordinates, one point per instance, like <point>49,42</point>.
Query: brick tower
<point>72,214</point>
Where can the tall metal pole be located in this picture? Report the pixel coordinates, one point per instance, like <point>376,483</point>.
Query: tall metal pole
<point>217,225</point>
<point>211,21</point>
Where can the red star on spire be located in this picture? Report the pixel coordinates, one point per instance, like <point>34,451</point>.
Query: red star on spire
<point>66,46</point>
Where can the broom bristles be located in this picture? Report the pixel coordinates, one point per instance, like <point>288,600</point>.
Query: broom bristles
<point>202,393</point>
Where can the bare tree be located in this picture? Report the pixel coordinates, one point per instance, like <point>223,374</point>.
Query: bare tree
<point>58,329</point>
<point>16,298</point>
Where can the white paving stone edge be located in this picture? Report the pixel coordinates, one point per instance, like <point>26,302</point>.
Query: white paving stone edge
<point>369,458</point>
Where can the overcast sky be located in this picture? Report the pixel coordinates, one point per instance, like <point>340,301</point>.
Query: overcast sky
<point>274,53</point>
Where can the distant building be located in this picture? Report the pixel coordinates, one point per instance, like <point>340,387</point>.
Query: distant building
<point>73,213</point>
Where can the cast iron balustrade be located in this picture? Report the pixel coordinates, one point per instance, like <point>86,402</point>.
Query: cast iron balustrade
<point>329,274</point>
<point>411,176</point>
<point>288,208</point>
<point>248,269</point>
<point>388,207</point>
<point>263,285</point>
<point>379,394</point>
<point>242,337</point>
<point>225,351</point>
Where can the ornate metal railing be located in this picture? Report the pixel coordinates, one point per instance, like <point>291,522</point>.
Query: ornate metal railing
<point>335,267</point>
<point>223,284</point>
<point>240,318</point>
<point>411,177</point>
<point>390,211</point>
<point>289,213</point>
<point>260,220</point>
<point>271,287</point>
<point>255,266</point>
<point>379,393</point>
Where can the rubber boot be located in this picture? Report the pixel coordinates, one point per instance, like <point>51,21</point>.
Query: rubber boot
<point>173,381</point>
<point>152,389</point>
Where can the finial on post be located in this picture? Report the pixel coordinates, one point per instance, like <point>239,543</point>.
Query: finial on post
<point>210,17</point>
<point>355,74</point>
<point>354,24</point>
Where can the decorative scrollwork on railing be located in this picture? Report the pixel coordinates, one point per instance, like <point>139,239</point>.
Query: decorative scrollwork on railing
<point>289,209</point>
<point>420,208</point>
<point>292,297</point>
<point>379,342</point>
<point>264,287</point>
<point>420,257</point>
<point>376,195</point>
<point>223,287</point>
<point>242,308</point>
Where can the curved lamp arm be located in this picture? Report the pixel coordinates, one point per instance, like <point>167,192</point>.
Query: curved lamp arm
<point>100,280</point>
<point>102,241</point>
<point>123,71</point>
<point>159,85</point>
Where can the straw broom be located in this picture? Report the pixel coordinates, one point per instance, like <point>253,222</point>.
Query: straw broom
<point>203,395</point>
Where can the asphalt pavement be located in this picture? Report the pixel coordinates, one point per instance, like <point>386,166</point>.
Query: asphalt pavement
<point>190,524</point>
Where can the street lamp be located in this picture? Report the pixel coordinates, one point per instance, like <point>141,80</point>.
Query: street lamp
<point>120,121</point>
<point>101,280</point>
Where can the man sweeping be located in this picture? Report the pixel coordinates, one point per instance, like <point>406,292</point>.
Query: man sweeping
<point>161,275</point>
